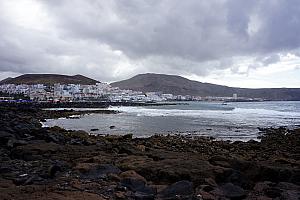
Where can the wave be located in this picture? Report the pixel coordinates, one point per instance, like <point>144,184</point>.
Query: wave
<point>249,112</point>
<point>141,111</point>
<point>265,112</point>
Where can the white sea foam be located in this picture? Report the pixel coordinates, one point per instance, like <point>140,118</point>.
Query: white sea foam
<point>142,111</point>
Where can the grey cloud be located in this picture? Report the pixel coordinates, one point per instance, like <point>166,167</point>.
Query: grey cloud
<point>109,40</point>
<point>271,59</point>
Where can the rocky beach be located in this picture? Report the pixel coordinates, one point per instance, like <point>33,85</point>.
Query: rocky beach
<point>53,163</point>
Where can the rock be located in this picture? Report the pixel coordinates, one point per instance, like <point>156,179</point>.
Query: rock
<point>112,127</point>
<point>35,151</point>
<point>14,143</point>
<point>211,182</point>
<point>232,191</point>
<point>53,169</point>
<point>143,196</point>
<point>291,195</point>
<point>272,192</point>
<point>127,137</point>
<point>94,129</point>
<point>178,189</point>
<point>261,186</point>
<point>113,177</point>
<point>141,147</point>
<point>19,180</point>
<point>288,186</point>
<point>95,171</point>
<point>27,180</point>
<point>158,188</point>
<point>133,175</point>
<point>120,195</point>
<point>206,196</point>
<point>126,148</point>
<point>137,184</point>
<point>5,136</point>
<point>133,184</point>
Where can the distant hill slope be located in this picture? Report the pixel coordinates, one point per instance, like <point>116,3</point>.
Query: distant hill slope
<point>179,85</point>
<point>49,79</point>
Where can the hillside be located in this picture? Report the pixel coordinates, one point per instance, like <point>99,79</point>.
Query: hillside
<point>49,79</point>
<point>179,85</point>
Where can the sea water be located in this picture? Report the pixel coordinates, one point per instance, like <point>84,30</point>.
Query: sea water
<point>230,121</point>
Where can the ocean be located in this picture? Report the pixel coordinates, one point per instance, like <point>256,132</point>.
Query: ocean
<point>232,121</point>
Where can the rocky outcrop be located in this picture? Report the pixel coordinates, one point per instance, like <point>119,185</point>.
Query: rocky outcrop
<point>54,163</point>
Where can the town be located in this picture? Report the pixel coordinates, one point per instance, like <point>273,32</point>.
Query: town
<point>99,92</point>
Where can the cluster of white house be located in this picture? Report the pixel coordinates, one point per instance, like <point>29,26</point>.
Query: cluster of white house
<point>99,92</point>
<point>77,92</point>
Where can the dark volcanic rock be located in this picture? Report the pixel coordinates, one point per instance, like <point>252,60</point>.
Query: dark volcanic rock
<point>95,171</point>
<point>5,136</point>
<point>232,191</point>
<point>54,163</point>
<point>181,189</point>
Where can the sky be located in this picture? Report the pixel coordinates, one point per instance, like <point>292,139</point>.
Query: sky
<point>253,43</point>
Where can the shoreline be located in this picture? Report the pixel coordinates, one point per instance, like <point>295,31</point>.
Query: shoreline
<point>85,104</point>
<point>54,163</point>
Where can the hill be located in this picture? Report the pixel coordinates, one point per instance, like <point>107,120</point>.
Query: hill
<point>181,86</point>
<point>49,79</point>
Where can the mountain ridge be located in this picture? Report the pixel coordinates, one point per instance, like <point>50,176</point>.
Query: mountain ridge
<point>49,79</point>
<point>178,85</point>
<point>173,84</point>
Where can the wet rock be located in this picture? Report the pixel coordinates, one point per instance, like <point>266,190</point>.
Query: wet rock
<point>94,129</point>
<point>112,127</point>
<point>178,189</point>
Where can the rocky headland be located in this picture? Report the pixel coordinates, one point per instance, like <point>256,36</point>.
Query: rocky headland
<point>54,163</point>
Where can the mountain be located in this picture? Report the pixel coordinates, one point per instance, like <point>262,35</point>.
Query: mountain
<point>6,80</point>
<point>181,86</point>
<point>49,79</point>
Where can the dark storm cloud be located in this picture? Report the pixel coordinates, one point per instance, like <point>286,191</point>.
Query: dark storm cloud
<point>125,37</point>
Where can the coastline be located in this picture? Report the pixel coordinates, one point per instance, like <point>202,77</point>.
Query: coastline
<point>53,163</point>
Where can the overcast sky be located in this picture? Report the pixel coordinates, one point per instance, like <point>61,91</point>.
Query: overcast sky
<point>253,43</point>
